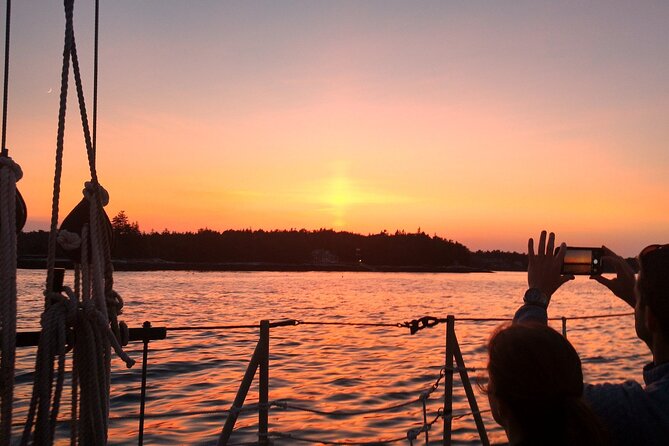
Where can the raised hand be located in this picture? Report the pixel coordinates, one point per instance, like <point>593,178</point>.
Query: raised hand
<point>544,268</point>
<point>623,284</point>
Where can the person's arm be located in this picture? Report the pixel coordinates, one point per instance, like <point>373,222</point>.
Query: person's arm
<point>544,277</point>
<point>623,284</point>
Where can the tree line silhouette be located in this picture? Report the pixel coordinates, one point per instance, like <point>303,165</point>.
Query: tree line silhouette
<point>323,246</point>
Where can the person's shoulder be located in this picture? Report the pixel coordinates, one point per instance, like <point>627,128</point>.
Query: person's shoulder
<point>530,314</point>
<point>656,375</point>
<point>614,401</point>
<point>616,406</point>
<point>596,393</point>
<point>632,413</point>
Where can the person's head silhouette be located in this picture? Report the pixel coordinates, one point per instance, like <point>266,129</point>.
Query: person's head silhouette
<point>536,388</point>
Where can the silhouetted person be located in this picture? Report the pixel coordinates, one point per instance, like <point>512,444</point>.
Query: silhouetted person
<point>632,413</point>
<point>536,388</point>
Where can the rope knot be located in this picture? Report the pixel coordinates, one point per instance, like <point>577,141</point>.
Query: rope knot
<point>9,163</point>
<point>54,297</point>
<point>69,241</point>
<point>89,192</point>
<point>90,310</point>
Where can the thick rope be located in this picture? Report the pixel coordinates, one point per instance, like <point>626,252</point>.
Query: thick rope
<point>8,178</point>
<point>92,352</point>
<point>51,345</point>
<point>113,299</point>
<point>88,317</point>
<point>69,38</point>
<point>55,303</point>
<point>74,394</point>
<point>8,22</point>
<point>96,39</point>
<point>10,173</point>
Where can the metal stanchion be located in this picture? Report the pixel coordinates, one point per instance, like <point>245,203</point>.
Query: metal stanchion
<point>448,380</point>
<point>142,398</point>
<point>466,383</point>
<point>263,410</point>
<point>564,326</point>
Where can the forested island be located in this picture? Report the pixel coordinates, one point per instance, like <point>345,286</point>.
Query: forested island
<point>294,250</point>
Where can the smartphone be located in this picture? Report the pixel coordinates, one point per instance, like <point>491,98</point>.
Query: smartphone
<point>585,261</point>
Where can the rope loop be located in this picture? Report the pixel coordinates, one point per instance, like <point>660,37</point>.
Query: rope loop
<point>8,162</point>
<point>54,297</point>
<point>90,189</point>
<point>96,317</point>
<point>115,301</point>
<point>67,240</point>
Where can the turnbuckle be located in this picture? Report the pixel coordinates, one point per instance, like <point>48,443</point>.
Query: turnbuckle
<point>425,322</point>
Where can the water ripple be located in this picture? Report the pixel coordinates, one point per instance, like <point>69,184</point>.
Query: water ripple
<point>331,368</point>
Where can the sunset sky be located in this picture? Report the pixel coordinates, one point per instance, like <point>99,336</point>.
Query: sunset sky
<point>480,121</point>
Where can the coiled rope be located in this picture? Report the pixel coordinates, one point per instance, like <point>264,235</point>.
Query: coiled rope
<point>10,173</point>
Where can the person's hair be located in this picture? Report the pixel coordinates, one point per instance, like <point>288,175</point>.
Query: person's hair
<point>536,374</point>
<point>654,283</point>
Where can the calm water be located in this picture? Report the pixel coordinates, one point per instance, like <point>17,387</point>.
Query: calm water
<point>324,367</point>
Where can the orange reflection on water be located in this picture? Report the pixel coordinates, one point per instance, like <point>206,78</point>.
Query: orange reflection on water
<point>329,368</point>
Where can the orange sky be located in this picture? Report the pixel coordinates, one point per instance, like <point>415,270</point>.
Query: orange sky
<point>482,122</point>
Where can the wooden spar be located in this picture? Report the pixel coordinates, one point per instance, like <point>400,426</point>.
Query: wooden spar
<point>241,395</point>
<point>466,383</point>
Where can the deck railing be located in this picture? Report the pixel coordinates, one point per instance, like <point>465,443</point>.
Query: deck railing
<point>259,363</point>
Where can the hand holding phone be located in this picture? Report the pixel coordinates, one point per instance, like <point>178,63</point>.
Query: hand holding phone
<point>582,261</point>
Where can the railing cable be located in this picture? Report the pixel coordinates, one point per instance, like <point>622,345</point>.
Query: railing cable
<point>359,324</point>
<point>414,325</point>
<point>344,413</point>
<point>290,436</point>
<point>411,435</point>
